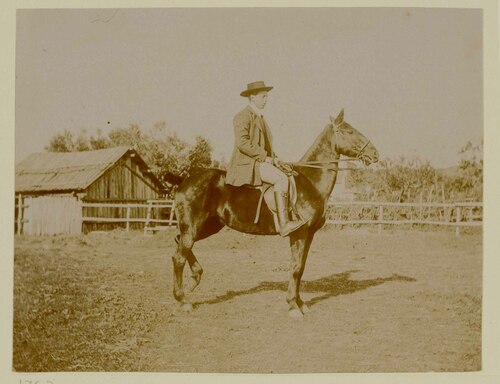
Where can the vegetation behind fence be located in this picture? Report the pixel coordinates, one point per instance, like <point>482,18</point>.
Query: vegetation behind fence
<point>382,213</point>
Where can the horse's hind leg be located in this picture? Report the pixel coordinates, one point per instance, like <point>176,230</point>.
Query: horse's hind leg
<point>184,245</point>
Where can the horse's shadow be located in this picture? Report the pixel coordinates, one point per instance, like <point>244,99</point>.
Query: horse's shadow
<point>329,286</point>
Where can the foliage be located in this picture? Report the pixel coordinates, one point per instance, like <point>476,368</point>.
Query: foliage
<point>395,179</point>
<point>221,163</point>
<point>470,179</point>
<point>164,152</point>
<point>66,142</point>
<point>200,154</point>
<point>413,179</point>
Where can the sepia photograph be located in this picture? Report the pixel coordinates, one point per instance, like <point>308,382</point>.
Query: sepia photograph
<point>248,190</point>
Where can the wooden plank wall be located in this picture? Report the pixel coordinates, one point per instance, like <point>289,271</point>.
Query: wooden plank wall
<point>119,185</point>
<point>52,214</point>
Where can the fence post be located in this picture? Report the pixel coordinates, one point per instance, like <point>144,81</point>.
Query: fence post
<point>19,213</point>
<point>128,217</point>
<point>148,216</point>
<point>80,215</point>
<point>459,218</point>
<point>171,218</point>
<point>380,218</point>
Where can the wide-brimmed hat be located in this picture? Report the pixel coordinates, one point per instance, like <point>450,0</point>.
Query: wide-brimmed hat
<point>254,88</point>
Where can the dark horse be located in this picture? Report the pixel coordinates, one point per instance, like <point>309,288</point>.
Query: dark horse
<point>204,204</point>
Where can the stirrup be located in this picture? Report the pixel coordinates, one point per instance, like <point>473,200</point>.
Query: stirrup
<point>289,227</point>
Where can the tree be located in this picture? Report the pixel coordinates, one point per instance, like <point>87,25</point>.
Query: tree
<point>171,155</point>
<point>61,142</point>
<point>409,176</point>
<point>99,142</point>
<point>469,181</point>
<point>131,136</point>
<point>400,178</point>
<point>66,142</point>
<point>200,155</point>
<point>164,152</point>
<point>220,163</point>
<point>404,178</point>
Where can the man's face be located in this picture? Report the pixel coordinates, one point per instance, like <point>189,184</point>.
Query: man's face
<point>260,99</point>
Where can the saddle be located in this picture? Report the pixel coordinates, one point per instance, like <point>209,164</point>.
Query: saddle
<point>267,194</point>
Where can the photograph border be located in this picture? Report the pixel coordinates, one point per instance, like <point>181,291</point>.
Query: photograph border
<point>490,372</point>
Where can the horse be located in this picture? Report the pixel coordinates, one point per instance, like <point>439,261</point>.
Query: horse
<point>204,204</point>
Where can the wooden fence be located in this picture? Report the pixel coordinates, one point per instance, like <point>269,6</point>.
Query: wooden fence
<point>20,219</point>
<point>159,214</point>
<point>151,221</point>
<point>342,213</point>
<point>464,214</point>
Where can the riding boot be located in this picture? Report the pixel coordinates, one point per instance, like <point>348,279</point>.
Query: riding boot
<point>286,226</point>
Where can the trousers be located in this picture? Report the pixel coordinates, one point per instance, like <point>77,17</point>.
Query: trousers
<point>272,175</point>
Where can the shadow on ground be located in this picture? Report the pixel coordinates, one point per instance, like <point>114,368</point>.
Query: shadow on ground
<point>329,286</point>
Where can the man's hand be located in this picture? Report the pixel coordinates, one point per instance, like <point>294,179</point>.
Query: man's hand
<point>283,167</point>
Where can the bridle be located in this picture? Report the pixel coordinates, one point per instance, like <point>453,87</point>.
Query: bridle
<point>358,156</point>
<point>329,164</point>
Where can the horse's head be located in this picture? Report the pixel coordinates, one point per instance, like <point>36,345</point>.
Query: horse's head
<point>349,142</point>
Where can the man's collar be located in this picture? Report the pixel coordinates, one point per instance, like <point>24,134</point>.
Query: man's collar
<point>255,110</point>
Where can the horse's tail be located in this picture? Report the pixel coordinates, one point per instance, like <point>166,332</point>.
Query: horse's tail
<point>173,179</point>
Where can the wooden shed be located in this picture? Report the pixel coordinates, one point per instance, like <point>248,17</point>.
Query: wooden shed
<point>51,187</point>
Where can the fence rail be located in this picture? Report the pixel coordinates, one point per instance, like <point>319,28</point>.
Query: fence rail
<point>159,214</point>
<point>462,214</point>
<point>150,205</point>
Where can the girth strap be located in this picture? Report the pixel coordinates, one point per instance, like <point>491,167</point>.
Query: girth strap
<point>263,190</point>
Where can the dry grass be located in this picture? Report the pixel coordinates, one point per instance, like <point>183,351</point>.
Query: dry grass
<point>404,301</point>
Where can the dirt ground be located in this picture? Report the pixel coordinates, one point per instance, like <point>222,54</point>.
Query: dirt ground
<point>402,301</point>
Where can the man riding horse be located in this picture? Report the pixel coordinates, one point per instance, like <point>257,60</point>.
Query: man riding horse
<point>253,161</point>
<point>205,202</point>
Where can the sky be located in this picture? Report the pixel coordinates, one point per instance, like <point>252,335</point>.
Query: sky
<point>410,79</point>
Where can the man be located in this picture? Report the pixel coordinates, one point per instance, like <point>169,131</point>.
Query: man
<point>253,160</point>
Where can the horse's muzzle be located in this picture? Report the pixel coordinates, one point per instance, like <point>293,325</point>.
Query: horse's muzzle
<point>368,159</point>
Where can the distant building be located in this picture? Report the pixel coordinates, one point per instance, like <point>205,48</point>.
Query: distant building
<point>51,187</point>
<point>341,191</point>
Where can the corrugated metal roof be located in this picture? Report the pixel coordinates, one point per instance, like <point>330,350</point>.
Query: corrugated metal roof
<point>62,171</point>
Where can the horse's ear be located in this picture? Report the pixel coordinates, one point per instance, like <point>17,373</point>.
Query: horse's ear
<point>340,118</point>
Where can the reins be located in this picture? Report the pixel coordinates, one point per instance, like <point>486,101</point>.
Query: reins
<point>325,164</point>
<point>320,164</point>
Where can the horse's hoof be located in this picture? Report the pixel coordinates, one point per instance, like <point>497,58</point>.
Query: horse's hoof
<point>305,309</point>
<point>186,307</point>
<point>295,314</point>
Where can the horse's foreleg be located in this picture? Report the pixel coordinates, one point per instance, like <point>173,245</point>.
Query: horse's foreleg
<point>299,245</point>
<point>179,261</point>
<point>305,252</point>
<point>183,253</point>
<point>196,268</point>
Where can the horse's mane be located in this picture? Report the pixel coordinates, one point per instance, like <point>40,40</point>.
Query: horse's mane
<point>170,178</point>
<point>317,146</point>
